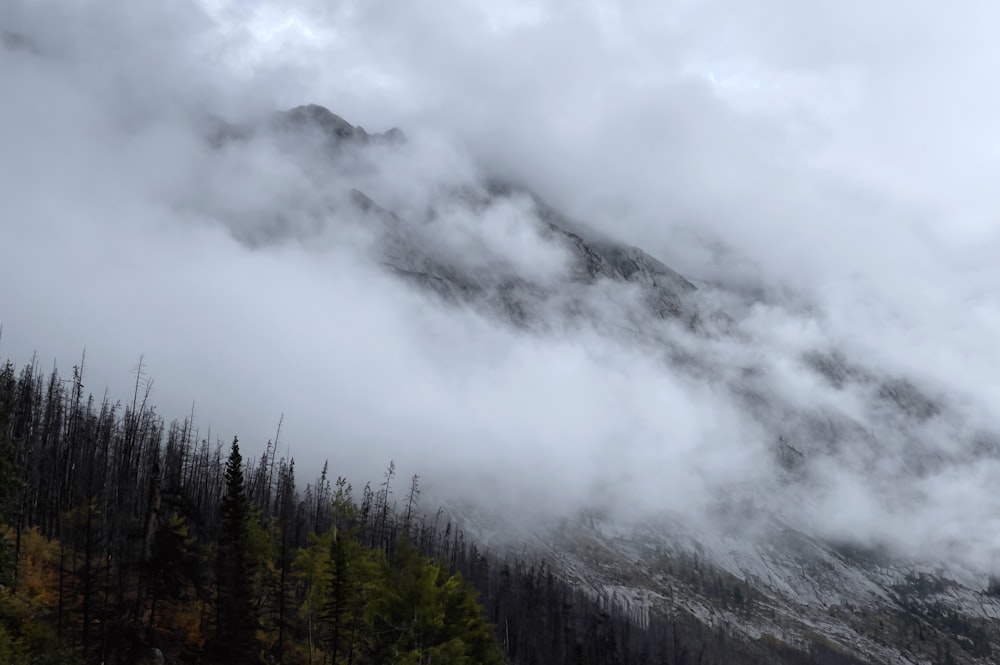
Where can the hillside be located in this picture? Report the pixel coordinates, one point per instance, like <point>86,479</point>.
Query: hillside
<point>865,596</point>
<point>751,503</point>
<point>128,539</point>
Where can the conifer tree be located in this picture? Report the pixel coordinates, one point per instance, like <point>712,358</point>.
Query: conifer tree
<point>235,638</point>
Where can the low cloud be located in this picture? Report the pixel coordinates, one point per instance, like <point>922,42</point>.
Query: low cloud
<point>835,364</point>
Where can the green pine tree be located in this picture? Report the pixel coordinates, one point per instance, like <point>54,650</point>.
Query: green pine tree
<point>425,615</point>
<point>235,639</point>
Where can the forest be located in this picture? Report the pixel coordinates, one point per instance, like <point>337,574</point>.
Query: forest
<point>126,538</point>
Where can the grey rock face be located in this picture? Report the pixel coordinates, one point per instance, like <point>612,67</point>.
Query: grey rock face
<point>335,128</point>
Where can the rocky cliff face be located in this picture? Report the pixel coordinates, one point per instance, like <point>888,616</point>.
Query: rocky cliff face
<point>755,566</point>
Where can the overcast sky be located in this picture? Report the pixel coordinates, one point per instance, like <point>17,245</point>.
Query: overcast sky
<point>837,159</point>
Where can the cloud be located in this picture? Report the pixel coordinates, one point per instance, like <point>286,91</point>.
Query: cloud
<point>822,179</point>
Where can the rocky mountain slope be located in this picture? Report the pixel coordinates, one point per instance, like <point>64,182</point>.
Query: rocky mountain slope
<point>781,584</point>
<point>753,563</point>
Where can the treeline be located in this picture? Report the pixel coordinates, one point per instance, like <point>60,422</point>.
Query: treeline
<point>124,537</point>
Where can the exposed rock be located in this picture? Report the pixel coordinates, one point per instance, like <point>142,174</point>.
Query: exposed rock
<point>314,116</point>
<point>908,399</point>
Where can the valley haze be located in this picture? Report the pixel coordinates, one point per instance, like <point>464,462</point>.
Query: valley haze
<point>824,181</point>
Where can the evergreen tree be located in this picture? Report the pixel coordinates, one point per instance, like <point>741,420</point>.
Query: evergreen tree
<point>352,574</point>
<point>235,634</point>
<point>423,615</point>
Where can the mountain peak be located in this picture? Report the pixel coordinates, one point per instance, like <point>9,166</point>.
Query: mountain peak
<point>319,117</point>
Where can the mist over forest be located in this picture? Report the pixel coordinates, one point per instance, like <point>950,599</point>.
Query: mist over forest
<point>822,180</point>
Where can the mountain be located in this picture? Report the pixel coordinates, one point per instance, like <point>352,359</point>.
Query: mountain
<point>751,563</point>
